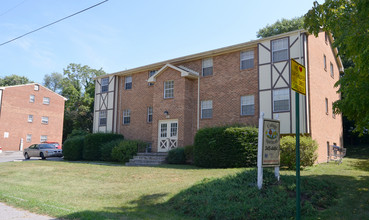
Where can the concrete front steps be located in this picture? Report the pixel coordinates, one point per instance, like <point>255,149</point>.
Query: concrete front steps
<point>147,159</point>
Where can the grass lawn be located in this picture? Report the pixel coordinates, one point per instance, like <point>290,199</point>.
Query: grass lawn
<point>91,191</point>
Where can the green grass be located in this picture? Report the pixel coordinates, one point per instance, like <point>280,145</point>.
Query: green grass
<point>91,191</point>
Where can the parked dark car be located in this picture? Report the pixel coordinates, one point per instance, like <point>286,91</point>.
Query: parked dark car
<point>42,150</point>
<point>56,144</point>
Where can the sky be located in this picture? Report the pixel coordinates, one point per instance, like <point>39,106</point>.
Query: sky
<point>124,34</point>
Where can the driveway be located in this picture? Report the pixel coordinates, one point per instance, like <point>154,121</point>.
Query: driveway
<point>17,156</point>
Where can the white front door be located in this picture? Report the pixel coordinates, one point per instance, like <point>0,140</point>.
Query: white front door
<point>168,135</point>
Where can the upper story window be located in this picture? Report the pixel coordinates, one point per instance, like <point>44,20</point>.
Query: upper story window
<point>102,118</point>
<point>326,37</point>
<point>29,138</point>
<point>247,105</point>
<point>46,100</point>
<point>104,84</point>
<point>151,73</point>
<point>43,138</point>
<point>30,118</point>
<point>36,87</point>
<point>149,114</point>
<point>326,106</point>
<point>333,114</point>
<point>332,72</point>
<point>247,59</point>
<point>45,120</point>
<point>128,82</point>
<point>280,50</point>
<point>169,89</point>
<point>207,67</point>
<point>325,62</point>
<point>281,100</point>
<point>207,109</point>
<point>32,98</point>
<point>126,116</point>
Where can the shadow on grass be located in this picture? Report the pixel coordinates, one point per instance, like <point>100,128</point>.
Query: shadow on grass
<point>237,197</point>
<point>358,152</point>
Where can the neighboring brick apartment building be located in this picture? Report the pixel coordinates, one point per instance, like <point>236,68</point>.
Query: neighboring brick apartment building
<point>30,114</point>
<point>165,103</point>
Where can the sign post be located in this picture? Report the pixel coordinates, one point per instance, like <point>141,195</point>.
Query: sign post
<point>298,84</point>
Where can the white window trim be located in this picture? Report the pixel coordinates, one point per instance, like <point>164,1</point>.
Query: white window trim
<point>46,101</point>
<point>43,138</point>
<point>276,50</point>
<point>36,87</point>
<point>127,114</point>
<point>104,84</point>
<point>289,100</point>
<point>206,65</point>
<point>32,98</point>
<point>167,89</point>
<point>325,62</point>
<point>247,57</point>
<point>149,113</point>
<point>100,117</point>
<point>207,108</point>
<point>30,118</point>
<point>326,106</point>
<point>332,69</point>
<point>127,80</point>
<point>44,120</point>
<point>248,104</point>
<point>151,73</point>
<point>29,138</point>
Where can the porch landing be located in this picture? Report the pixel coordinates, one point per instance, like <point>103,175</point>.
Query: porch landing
<point>147,159</point>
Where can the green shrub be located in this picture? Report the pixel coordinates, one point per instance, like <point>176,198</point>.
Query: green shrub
<point>107,148</point>
<point>77,132</point>
<point>93,143</point>
<point>223,147</point>
<point>176,156</point>
<point>126,149</point>
<point>308,153</point>
<point>188,150</point>
<point>73,148</point>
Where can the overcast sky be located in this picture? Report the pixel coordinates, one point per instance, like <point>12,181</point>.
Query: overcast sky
<point>120,34</point>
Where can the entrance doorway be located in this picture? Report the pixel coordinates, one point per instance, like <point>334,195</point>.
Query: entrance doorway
<point>167,135</point>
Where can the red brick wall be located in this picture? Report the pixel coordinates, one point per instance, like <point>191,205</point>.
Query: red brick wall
<point>324,128</point>
<point>14,116</point>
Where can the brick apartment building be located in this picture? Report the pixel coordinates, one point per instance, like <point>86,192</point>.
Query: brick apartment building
<point>29,114</point>
<point>165,103</point>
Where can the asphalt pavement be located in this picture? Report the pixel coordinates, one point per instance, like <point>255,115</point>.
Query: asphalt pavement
<point>11,213</point>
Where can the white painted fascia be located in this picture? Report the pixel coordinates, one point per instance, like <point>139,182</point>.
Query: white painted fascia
<point>185,72</point>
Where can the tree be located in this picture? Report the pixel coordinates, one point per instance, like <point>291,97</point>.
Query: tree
<point>348,21</point>
<point>78,86</point>
<point>54,82</point>
<point>14,80</point>
<point>281,26</point>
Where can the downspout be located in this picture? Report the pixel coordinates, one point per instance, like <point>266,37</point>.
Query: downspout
<point>198,103</point>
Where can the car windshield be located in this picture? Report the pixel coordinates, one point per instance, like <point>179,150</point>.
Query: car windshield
<point>46,146</point>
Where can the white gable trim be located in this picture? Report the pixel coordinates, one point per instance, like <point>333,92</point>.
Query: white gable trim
<point>185,72</point>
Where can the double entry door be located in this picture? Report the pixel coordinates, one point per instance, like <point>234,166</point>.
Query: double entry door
<point>168,135</point>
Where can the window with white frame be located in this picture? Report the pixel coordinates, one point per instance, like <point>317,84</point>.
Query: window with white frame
<point>151,73</point>
<point>126,116</point>
<point>45,120</point>
<point>102,118</point>
<point>149,114</point>
<point>169,89</point>
<point>325,63</point>
<point>280,50</point>
<point>333,114</point>
<point>43,138</point>
<point>32,98</point>
<point>36,87</point>
<point>332,72</point>
<point>30,118</point>
<point>247,105</point>
<point>281,100</point>
<point>207,109</point>
<point>46,100</point>
<point>128,82</point>
<point>207,67</point>
<point>104,84</point>
<point>326,106</point>
<point>29,138</point>
<point>247,59</point>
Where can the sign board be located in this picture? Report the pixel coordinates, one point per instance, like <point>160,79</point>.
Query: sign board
<point>298,77</point>
<point>271,136</point>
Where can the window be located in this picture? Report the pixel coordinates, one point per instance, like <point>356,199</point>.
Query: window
<point>29,138</point>
<point>149,114</point>
<point>46,100</point>
<point>207,67</point>
<point>104,84</point>
<point>169,89</point>
<point>325,63</point>
<point>247,105</point>
<point>151,73</point>
<point>102,118</point>
<point>280,49</point>
<point>326,106</point>
<point>247,59</point>
<point>207,109</point>
<point>333,115</point>
<point>32,98</point>
<point>126,116</point>
<point>36,87</point>
<point>30,118</point>
<point>45,120</point>
<point>128,83</point>
<point>281,100</point>
<point>173,129</point>
<point>332,73</point>
<point>326,37</point>
<point>43,138</point>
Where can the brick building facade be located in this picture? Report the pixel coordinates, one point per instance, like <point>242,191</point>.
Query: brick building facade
<point>29,114</point>
<point>167,102</point>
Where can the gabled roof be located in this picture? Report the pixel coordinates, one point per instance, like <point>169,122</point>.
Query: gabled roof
<point>185,72</point>
<point>6,87</point>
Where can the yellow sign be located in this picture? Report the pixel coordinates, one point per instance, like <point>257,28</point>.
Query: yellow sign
<point>298,77</point>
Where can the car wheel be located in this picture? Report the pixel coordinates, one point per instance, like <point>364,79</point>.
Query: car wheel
<point>42,156</point>
<point>26,156</point>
